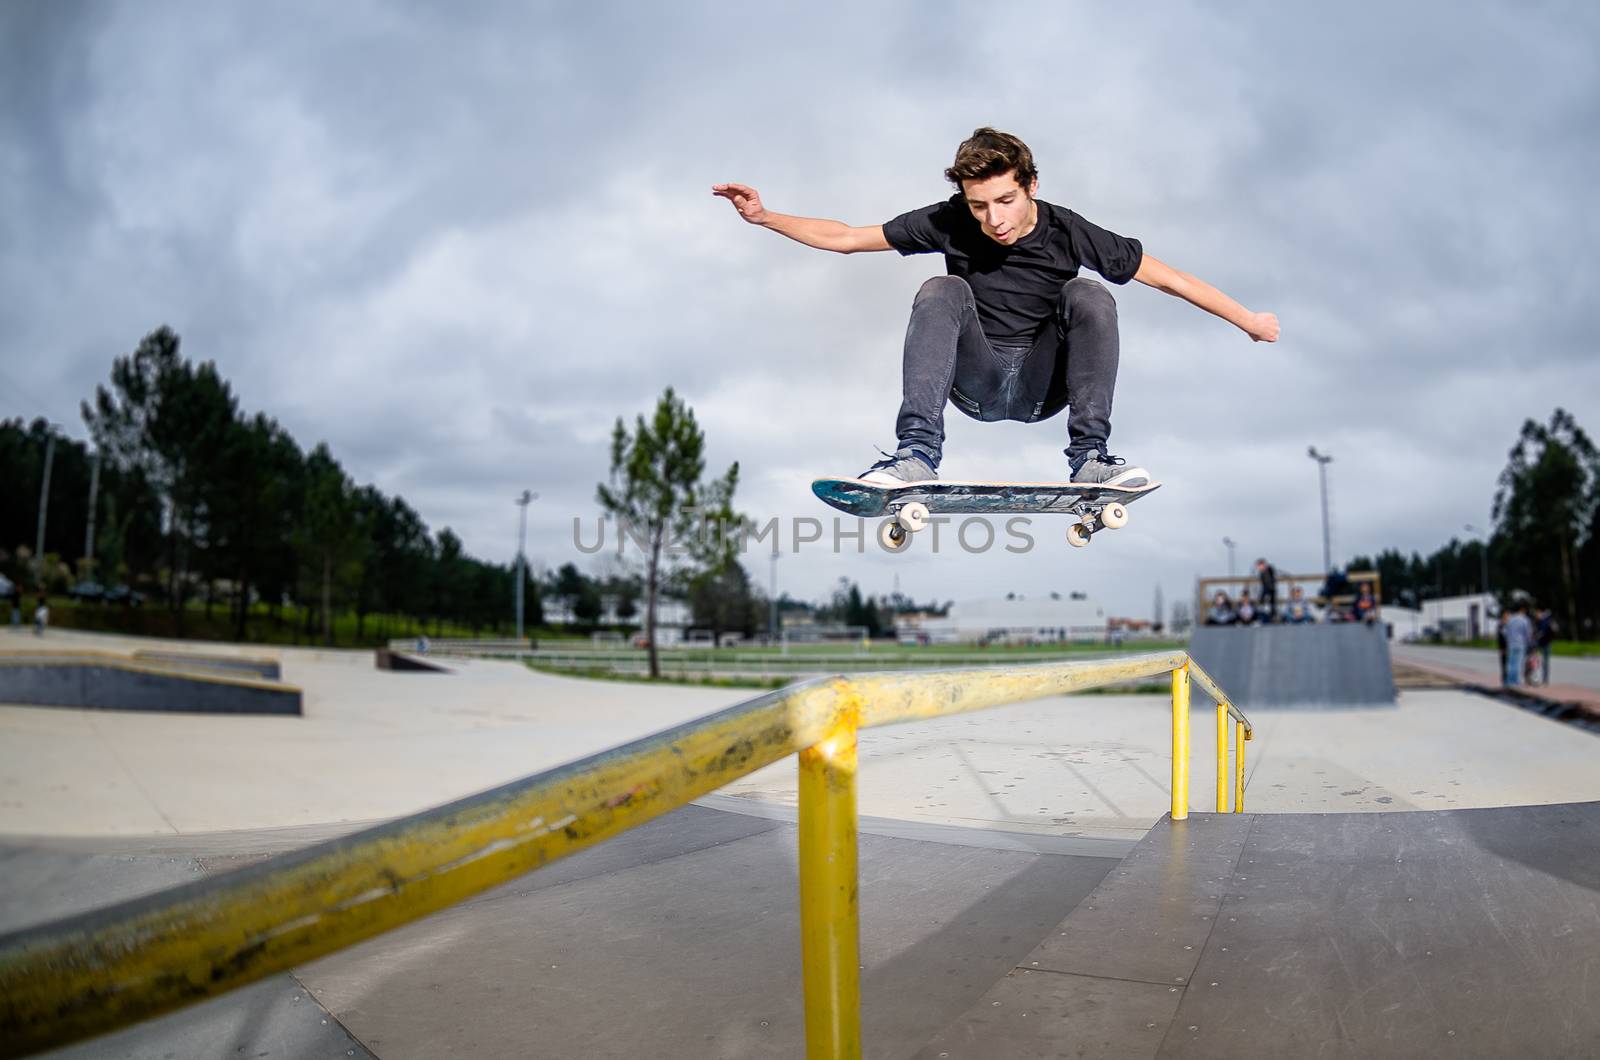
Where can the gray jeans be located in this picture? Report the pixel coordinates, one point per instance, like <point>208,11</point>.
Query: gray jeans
<point>948,358</point>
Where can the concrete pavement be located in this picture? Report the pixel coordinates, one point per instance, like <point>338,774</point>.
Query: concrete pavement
<point>374,745</point>
<point>1564,670</point>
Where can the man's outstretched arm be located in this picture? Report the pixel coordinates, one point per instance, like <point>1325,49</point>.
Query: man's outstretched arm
<point>1261,327</point>
<point>812,231</point>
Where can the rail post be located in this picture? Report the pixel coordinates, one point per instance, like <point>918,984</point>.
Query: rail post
<point>1239,739</point>
<point>1222,757</point>
<point>830,929</point>
<point>1180,743</point>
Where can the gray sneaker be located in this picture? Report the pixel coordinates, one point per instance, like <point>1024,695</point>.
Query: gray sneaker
<point>1104,469</point>
<point>899,468</point>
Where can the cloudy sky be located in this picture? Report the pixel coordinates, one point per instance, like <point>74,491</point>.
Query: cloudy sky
<point>458,241</point>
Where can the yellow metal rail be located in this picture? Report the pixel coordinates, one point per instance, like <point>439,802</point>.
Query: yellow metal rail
<point>82,976</point>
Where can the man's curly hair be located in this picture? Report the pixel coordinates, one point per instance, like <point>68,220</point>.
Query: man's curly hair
<point>989,153</point>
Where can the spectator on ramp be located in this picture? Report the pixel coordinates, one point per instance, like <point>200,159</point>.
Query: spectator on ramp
<point>1297,612</point>
<point>1247,610</point>
<point>1366,606</point>
<point>1269,590</point>
<point>1221,612</point>
<point>1336,585</point>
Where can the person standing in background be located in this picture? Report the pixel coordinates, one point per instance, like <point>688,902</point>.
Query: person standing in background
<point>1544,635</point>
<point>1269,590</point>
<point>1519,635</point>
<point>1500,636</point>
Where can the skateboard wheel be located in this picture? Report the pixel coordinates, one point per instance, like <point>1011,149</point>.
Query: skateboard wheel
<point>1078,534</point>
<point>892,536</point>
<point>1114,516</point>
<point>914,516</point>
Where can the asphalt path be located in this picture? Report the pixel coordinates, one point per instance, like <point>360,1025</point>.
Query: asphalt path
<point>1564,670</point>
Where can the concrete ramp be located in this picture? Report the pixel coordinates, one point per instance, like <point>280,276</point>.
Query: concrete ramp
<point>390,659</point>
<point>1344,665</point>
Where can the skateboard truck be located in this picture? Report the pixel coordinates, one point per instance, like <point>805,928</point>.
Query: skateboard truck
<point>906,519</point>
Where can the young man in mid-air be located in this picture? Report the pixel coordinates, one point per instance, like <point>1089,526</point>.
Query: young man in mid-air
<point>1012,332</point>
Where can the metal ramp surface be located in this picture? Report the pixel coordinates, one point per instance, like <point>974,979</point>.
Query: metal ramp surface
<point>1461,933</point>
<point>1344,665</point>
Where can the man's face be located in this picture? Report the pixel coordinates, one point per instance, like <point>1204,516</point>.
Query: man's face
<point>1004,209</point>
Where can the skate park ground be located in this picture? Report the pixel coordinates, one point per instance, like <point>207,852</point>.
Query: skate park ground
<point>981,833</point>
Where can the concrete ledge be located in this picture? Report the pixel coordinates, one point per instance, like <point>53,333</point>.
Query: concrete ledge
<point>102,681</point>
<point>235,665</point>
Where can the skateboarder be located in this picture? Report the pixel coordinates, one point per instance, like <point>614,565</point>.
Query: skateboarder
<point>1012,332</point>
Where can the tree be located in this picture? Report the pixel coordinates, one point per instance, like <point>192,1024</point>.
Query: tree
<point>572,587</point>
<point>1544,512</point>
<point>655,476</point>
<point>252,506</point>
<point>627,593</point>
<point>329,539</point>
<point>446,576</point>
<point>167,421</point>
<point>588,606</point>
<point>722,601</point>
<point>719,590</point>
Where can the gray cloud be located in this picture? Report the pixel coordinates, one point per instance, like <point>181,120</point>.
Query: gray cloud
<point>458,246</point>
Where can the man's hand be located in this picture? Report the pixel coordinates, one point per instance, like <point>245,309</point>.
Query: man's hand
<point>1262,327</point>
<point>745,199</point>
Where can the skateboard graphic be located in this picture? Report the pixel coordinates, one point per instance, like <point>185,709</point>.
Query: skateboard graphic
<point>910,507</point>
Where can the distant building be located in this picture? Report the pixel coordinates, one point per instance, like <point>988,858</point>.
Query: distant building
<point>1470,617</point>
<point>1048,619</point>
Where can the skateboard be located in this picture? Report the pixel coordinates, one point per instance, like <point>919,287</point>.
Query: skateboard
<point>911,506</point>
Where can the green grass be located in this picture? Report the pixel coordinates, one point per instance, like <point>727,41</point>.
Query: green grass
<point>286,630</point>
<point>596,673</point>
<point>886,650</point>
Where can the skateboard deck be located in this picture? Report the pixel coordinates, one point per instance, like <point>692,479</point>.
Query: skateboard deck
<point>909,507</point>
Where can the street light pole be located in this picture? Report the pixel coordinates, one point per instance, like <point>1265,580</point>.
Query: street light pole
<point>772,599</point>
<point>88,534</point>
<point>44,505</point>
<point>1228,543</point>
<point>1323,460</point>
<point>522,562</point>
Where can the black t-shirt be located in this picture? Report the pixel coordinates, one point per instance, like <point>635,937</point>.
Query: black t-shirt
<point>1017,286</point>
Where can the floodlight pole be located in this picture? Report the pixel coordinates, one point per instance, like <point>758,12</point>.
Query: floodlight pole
<point>772,600</point>
<point>1228,544</point>
<point>44,504</point>
<point>1323,460</point>
<point>522,562</point>
<point>88,533</point>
